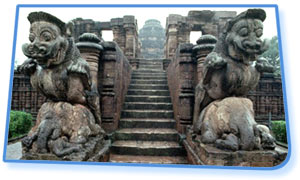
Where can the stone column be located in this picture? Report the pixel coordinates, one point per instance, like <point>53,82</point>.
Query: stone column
<point>177,31</point>
<point>205,44</point>
<point>184,31</point>
<point>171,41</point>
<point>131,36</point>
<point>118,32</point>
<point>90,50</point>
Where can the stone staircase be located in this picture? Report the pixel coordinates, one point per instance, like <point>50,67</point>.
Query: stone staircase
<point>146,131</point>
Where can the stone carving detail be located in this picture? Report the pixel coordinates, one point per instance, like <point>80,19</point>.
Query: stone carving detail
<point>70,119</point>
<point>229,72</point>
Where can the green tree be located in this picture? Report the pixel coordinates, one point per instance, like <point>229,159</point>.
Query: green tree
<point>272,55</point>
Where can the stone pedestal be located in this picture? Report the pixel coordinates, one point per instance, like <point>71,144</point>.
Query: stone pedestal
<point>206,154</point>
<point>95,150</point>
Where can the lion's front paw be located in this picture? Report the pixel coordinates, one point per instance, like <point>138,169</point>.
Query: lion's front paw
<point>28,140</point>
<point>262,65</point>
<point>28,67</point>
<point>214,60</point>
<point>266,139</point>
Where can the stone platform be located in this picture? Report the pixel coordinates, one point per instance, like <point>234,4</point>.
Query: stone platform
<point>205,154</point>
<point>95,150</point>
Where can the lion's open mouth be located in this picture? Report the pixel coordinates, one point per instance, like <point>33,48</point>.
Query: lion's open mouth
<point>251,47</point>
<point>51,55</point>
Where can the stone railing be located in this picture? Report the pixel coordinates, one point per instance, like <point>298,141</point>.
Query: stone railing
<point>181,80</point>
<point>114,78</point>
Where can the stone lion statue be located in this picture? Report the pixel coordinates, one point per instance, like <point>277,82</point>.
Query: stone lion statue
<point>231,70</point>
<point>56,69</point>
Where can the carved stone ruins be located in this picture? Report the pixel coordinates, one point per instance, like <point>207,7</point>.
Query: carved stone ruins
<point>178,28</point>
<point>68,124</point>
<point>125,32</point>
<point>230,71</point>
<point>152,38</point>
<point>200,105</point>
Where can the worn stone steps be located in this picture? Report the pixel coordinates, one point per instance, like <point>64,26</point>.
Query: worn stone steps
<point>146,131</point>
<point>146,70</point>
<point>148,159</point>
<point>147,113</point>
<point>150,66</point>
<point>145,98</point>
<point>150,61</point>
<point>148,105</point>
<point>148,148</point>
<point>151,92</point>
<point>147,123</point>
<point>149,86</point>
<point>139,73</point>
<point>150,77</point>
<point>147,134</point>
<point>151,81</point>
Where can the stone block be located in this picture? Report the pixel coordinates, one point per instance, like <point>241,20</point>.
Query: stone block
<point>210,155</point>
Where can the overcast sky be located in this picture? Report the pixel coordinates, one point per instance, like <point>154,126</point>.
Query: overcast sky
<point>141,14</point>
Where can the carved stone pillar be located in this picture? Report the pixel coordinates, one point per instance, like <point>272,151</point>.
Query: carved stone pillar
<point>184,31</point>
<point>205,44</point>
<point>177,31</point>
<point>90,50</point>
<point>130,41</point>
<point>131,36</point>
<point>119,34</point>
<point>171,43</point>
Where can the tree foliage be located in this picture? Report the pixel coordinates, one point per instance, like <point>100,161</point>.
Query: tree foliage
<point>279,130</point>
<point>272,55</point>
<point>19,124</point>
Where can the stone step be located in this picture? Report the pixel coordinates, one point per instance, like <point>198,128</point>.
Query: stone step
<point>149,77</point>
<point>147,105</point>
<point>151,61</point>
<point>140,98</point>
<point>147,114</point>
<point>148,86</point>
<point>147,134</point>
<point>154,92</point>
<point>148,159</point>
<point>150,64</point>
<point>148,148</point>
<point>142,81</point>
<point>150,67</point>
<point>142,70</point>
<point>146,123</point>
<point>149,74</point>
